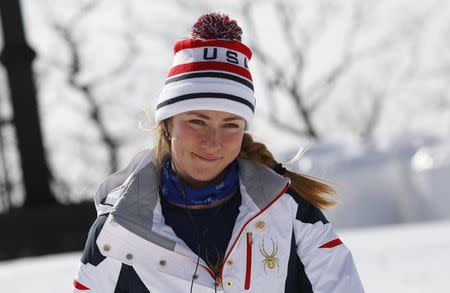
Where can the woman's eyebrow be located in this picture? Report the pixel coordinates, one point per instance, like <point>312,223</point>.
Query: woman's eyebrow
<point>199,115</point>
<point>233,118</point>
<point>206,117</point>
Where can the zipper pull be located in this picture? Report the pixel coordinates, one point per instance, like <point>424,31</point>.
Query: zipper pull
<point>250,238</point>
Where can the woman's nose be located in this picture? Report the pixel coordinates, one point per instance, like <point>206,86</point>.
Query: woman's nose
<point>212,140</point>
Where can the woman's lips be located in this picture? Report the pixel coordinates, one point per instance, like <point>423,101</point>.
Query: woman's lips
<point>206,158</point>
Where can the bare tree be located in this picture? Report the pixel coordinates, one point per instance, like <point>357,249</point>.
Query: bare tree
<point>5,181</point>
<point>309,98</point>
<point>87,88</point>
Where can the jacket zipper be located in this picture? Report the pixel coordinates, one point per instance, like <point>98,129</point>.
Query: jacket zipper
<point>245,224</point>
<point>248,270</point>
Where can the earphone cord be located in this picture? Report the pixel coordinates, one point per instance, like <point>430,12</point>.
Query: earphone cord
<point>196,267</point>
<point>197,234</point>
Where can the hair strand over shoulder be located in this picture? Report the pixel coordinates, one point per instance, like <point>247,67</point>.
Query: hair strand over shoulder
<point>311,189</point>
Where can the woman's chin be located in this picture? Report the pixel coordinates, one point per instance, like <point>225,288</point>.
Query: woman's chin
<point>202,178</point>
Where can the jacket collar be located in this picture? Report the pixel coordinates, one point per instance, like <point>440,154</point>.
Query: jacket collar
<point>139,193</point>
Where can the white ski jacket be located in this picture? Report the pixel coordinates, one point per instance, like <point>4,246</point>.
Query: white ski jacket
<point>280,242</point>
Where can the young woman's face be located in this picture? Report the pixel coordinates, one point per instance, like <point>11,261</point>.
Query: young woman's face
<point>204,143</point>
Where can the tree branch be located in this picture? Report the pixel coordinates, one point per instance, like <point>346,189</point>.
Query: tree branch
<point>86,90</point>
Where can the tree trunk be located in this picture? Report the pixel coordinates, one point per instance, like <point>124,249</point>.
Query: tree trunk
<point>17,57</point>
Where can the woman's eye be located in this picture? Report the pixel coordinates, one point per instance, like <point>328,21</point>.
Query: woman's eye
<point>197,121</point>
<point>231,125</point>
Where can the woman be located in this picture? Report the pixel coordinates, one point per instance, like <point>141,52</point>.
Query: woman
<point>210,209</point>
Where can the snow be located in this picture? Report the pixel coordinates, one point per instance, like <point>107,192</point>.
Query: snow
<point>409,258</point>
<point>40,274</point>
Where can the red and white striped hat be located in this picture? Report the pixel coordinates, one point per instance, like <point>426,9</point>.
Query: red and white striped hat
<point>209,72</point>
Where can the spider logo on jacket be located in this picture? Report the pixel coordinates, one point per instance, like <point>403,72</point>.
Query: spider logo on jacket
<point>270,259</point>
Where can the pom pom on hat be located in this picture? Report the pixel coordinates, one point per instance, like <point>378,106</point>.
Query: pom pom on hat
<point>216,26</point>
<point>209,72</point>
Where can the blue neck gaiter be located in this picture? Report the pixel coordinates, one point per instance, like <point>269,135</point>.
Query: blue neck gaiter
<point>173,192</point>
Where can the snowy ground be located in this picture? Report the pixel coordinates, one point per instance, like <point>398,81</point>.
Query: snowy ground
<point>403,258</point>
<point>411,258</point>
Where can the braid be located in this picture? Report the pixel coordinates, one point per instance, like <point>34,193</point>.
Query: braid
<point>256,151</point>
<point>311,189</point>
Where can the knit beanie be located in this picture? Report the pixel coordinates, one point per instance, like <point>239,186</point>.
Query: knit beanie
<point>209,72</point>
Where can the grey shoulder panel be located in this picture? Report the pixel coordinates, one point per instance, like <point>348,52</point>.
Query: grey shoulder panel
<point>134,209</point>
<point>262,184</point>
<point>117,179</point>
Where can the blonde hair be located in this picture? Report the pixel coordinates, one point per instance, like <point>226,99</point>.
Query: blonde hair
<point>311,189</point>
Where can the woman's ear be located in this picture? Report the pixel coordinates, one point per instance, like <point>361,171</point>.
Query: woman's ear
<point>165,126</point>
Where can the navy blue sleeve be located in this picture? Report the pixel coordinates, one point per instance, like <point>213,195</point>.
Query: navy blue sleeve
<point>129,281</point>
<point>296,279</point>
<point>307,212</point>
<point>91,253</point>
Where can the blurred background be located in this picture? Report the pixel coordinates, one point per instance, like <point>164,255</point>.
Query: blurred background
<point>361,88</point>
